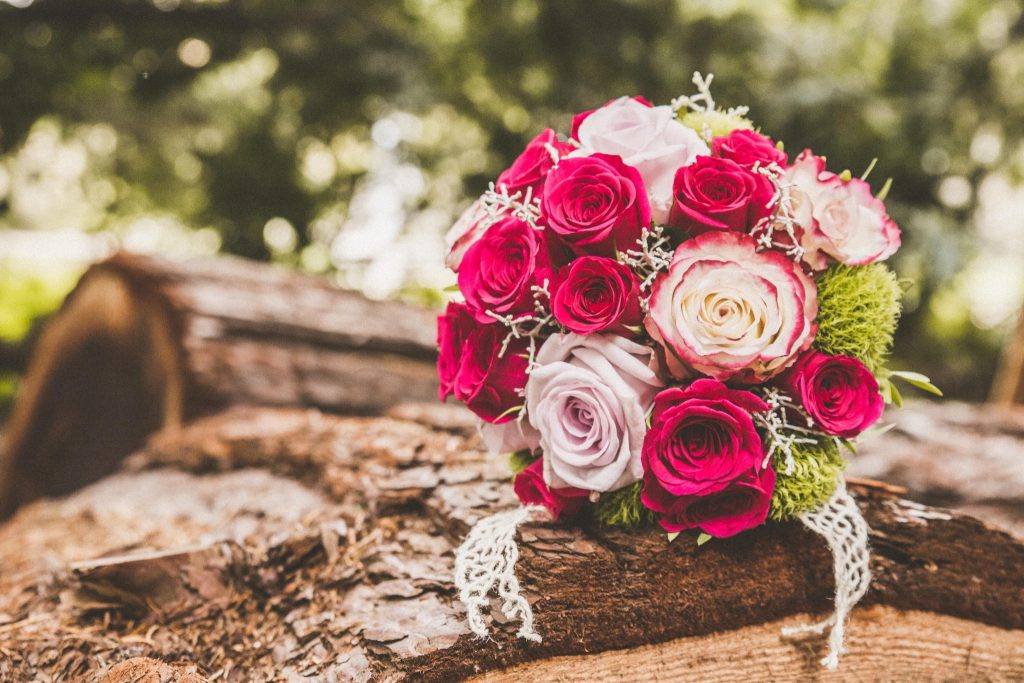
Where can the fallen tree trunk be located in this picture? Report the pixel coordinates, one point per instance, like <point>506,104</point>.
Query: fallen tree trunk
<point>143,344</point>
<point>273,545</point>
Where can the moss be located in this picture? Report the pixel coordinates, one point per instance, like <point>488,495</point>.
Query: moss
<point>857,312</point>
<point>520,460</point>
<point>817,470</point>
<point>719,122</point>
<point>623,508</point>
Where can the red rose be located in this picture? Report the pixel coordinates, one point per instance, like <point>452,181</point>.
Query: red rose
<point>529,169</point>
<point>702,460</point>
<point>582,116</point>
<point>531,490</point>
<point>742,505</point>
<point>499,270</point>
<point>747,147</point>
<point>838,392</point>
<point>595,204</point>
<point>593,294</point>
<point>471,368</point>
<point>718,194</point>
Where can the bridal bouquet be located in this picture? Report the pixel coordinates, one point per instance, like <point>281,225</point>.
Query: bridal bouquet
<point>666,317</point>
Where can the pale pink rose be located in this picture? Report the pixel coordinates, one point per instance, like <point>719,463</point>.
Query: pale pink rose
<point>726,310</point>
<point>845,221</point>
<point>470,227</point>
<point>509,437</point>
<point>589,399</point>
<point>650,139</point>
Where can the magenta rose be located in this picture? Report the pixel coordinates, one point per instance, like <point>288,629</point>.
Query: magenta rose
<point>529,169</point>
<point>531,490</point>
<point>595,204</point>
<point>718,194</point>
<point>471,367</point>
<point>742,505</point>
<point>498,271</point>
<point>594,294</point>
<point>701,439</point>
<point>838,392</point>
<point>747,147</point>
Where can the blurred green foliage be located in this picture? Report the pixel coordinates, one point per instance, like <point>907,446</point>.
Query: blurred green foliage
<point>343,136</point>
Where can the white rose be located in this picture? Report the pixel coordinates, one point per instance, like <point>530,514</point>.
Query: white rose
<point>649,139</point>
<point>589,399</point>
<point>845,220</point>
<point>726,310</point>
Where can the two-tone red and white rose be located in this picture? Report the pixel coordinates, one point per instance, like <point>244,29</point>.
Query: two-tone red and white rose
<point>727,310</point>
<point>702,460</point>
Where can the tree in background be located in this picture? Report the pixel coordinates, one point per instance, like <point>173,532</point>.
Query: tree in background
<point>343,137</point>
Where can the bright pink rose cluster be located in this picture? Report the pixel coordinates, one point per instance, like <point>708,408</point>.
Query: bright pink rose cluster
<point>632,295</point>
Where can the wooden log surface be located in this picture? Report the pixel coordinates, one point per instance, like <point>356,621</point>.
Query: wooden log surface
<point>287,545</point>
<point>143,344</point>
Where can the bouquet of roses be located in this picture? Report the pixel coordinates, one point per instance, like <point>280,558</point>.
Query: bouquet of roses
<point>666,316</point>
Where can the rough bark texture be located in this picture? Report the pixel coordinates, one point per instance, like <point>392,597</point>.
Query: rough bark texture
<point>143,344</point>
<point>273,544</point>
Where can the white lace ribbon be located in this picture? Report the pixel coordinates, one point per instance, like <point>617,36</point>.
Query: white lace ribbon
<point>486,562</point>
<point>844,529</point>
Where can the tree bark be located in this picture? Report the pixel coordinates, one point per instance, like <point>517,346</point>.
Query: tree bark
<point>143,344</point>
<point>269,544</point>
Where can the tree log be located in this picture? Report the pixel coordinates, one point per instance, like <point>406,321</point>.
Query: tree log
<point>286,545</point>
<point>143,344</point>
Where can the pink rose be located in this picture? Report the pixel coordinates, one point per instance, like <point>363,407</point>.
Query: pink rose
<point>701,438</point>
<point>531,490</point>
<point>742,505</point>
<point>747,147</point>
<point>588,399</point>
<point>530,168</point>
<point>471,368</point>
<point>595,205</point>
<point>718,194</point>
<point>499,270</point>
<point>726,310</point>
<point>470,227</point>
<point>846,221</point>
<point>594,294</point>
<point>582,116</point>
<point>838,392</point>
<point>647,138</point>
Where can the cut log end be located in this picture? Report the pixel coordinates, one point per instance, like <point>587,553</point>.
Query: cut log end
<point>143,344</point>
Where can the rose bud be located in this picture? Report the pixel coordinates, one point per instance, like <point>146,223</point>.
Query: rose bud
<point>530,168</point>
<point>747,147</point>
<point>837,392</point>
<point>718,194</point>
<point>594,294</point>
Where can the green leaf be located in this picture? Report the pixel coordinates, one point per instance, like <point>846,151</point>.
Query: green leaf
<point>897,397</point>
<point>885,389</point>
<point>703,538</point>
<point>849,445</point>
<point>451,289</point>
<point>879,429</point>
<point>884,192</point>
<point>918,380</point>
<point>672,536</point>
<point>869,169</point>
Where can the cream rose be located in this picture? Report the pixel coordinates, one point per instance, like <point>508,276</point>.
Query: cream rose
<point>845,220</point>
<point>588,399</point>
<point>726,310</point>
<point>650,139</point>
